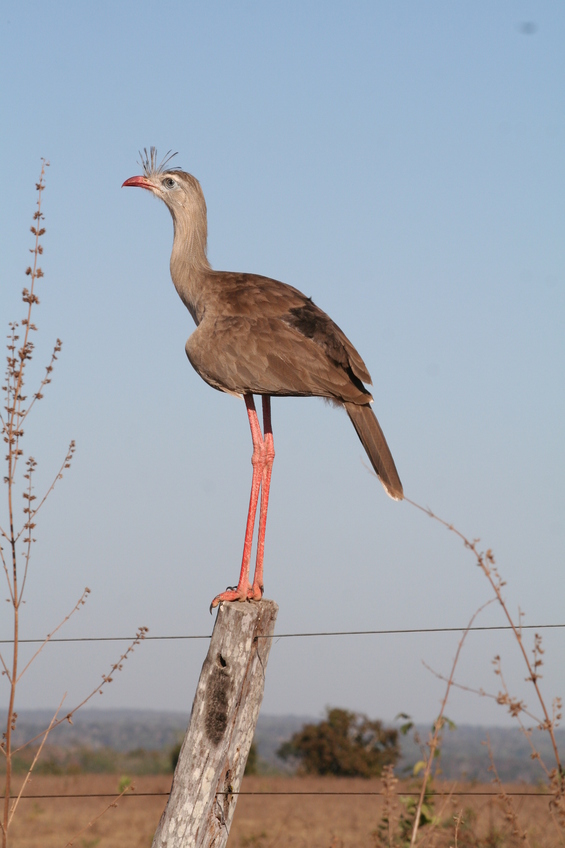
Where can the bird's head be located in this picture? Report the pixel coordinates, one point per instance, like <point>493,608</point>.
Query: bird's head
<point>181,192</point>
<point>184,199</point>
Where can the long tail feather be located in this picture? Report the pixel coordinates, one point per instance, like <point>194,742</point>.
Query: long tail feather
<point>373,440</point>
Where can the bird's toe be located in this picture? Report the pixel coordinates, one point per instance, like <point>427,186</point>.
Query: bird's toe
<point>231,594</point>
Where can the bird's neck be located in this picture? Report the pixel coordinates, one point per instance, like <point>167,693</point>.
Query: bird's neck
<point>189,263</point>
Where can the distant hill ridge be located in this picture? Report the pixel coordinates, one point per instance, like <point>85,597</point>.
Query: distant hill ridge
<point>464,756</point>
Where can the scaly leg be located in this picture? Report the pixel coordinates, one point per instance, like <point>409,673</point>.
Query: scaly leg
<point>269,454</point>
<point>243,591</point>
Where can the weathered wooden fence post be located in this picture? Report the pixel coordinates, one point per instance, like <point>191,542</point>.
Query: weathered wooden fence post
<point>222,723</point>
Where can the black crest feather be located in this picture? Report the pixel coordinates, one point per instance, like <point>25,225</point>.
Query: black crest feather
<point>149,162</point>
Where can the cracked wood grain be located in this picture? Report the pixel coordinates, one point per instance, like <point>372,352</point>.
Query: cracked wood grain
<point>224,714</point>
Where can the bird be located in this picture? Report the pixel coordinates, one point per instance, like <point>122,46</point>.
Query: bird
<point>256,336</point>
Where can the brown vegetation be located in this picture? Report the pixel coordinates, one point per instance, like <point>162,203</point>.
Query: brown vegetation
<point>17,531</point>
<point>334,817</point>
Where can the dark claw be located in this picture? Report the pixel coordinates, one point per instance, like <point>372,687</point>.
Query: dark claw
<point>228,589</point>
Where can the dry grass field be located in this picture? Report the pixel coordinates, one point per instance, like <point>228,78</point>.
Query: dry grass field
<point>338,820</point>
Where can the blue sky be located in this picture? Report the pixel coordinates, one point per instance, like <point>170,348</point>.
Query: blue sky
<point>402,163</point>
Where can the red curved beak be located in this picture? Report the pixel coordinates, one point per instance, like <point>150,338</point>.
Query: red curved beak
<point>140,182</point>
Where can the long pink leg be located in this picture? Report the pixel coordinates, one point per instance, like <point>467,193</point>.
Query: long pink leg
<point>269,454</point>
<point>243,590</point>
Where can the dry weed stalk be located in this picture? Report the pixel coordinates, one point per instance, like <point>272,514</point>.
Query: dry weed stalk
<point>98,690</point>
<point>458,819</point>
<point>18,538</point>
<point>548,722</point>
<point>35,759</point>
<point>112,805</point>
<point>16,409</point>
<point>516,708</point>
<point>510,813</point>
<point>385,835</point>
<point>435,738</point>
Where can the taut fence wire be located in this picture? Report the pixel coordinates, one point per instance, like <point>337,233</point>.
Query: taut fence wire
<point>322,633</point>
<point>276,636</point>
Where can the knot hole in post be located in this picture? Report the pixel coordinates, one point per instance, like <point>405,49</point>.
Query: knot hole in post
<point>224,798</point>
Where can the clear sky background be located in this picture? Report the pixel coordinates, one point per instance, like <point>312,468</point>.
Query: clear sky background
<point>402,163</point>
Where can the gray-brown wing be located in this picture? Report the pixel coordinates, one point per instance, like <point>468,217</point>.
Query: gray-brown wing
<point>262,355</point>
<point>254,296</point>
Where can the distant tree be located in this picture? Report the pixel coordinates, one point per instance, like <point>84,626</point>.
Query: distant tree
<point>344,744</point>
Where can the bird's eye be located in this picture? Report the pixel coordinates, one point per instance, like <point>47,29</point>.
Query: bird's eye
<point>168,182</point>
